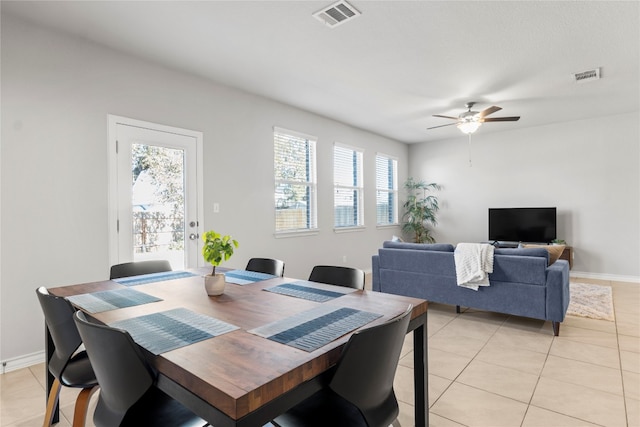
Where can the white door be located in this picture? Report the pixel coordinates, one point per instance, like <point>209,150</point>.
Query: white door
<point>156,193</point>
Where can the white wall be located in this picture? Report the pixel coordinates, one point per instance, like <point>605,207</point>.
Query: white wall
<point>588,169</point>
<point>56,94</point>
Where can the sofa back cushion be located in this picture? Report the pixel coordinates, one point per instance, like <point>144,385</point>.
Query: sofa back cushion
<point>533,252</point>
<point>440,247</point>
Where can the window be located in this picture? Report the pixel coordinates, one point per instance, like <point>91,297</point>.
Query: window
<point>386,190</point>
<point>295,181</point>
<point>348,190</point>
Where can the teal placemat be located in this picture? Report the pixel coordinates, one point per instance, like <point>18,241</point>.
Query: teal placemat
<point>245,277</point>
<point>110,300</point>
<point>153,277</point>
<point>310,290</point>
<point>168,330</point>
<point>315,328</point>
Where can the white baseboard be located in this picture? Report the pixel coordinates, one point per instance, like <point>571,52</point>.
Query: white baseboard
<point>600,276</point>
<point>23,361</point>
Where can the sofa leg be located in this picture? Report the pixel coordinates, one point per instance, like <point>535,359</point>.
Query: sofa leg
<point>458,309</point>
<point>556,328</point>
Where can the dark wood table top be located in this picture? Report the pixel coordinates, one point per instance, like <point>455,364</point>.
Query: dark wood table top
<point>238,372</point>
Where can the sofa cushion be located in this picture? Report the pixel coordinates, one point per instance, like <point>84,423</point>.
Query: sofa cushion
<point>441,247</point>
<point>533,252</point>
<point>554,251</point>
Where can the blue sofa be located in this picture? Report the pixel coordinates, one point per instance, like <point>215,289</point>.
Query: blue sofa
<point>522,282</point>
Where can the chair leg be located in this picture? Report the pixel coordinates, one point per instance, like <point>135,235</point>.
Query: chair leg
<point>52,402</point>
<point>82,405</point>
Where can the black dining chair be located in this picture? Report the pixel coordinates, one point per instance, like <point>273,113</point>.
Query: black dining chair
<point>360,393</point>
<point>266,265</point>
<point>138,268</point>
<point>69,367</point>
<point>128,395</point>
<point>341,276</point>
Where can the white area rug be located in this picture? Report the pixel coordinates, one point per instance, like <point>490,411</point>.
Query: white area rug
<point>592,301</point>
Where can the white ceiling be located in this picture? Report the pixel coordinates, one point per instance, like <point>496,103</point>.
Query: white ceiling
<point>391,68</point>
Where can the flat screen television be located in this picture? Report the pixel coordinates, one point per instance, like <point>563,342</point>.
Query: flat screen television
<point>535,225</point>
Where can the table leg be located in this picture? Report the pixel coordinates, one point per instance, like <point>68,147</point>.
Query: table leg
<point>420,373</point>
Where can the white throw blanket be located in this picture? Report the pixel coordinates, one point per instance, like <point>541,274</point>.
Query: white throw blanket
<point>474,262</point>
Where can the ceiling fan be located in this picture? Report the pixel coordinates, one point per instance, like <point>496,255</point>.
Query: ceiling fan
<point>469,121</point>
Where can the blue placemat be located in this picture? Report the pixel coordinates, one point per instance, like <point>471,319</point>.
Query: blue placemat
<point>244,277</point>
<point>315,328</point>
<point>310,291</point>
<point>168,330</point>
<point>111,300</point>
<point>153,277</point>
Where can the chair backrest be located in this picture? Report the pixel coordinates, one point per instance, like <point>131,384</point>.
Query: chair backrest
<point>120,367</point>
<point>58,315</point>
<point>266,265</point>
<point>341,276</point>
<point>138,268</point>
<point>366,369</point>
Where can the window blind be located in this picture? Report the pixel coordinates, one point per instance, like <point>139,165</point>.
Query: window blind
<point>386,190</point>
<point>348,187</point>
<point>295,180</point>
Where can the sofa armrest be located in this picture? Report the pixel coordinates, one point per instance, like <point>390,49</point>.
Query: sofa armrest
<point>375,273</point>
<point>557,290</point>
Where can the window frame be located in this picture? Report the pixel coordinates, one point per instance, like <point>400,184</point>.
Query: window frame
<point>358,188</point>
<point>311,183</point>
<point>391,192</point>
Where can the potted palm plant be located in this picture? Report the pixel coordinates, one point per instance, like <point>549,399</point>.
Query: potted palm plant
<point>217,248</point>
<point>420,210</point>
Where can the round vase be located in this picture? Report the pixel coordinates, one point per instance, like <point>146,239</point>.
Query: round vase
<point>214,285</point>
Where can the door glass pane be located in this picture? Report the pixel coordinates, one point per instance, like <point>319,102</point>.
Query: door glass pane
<point>158,206</point>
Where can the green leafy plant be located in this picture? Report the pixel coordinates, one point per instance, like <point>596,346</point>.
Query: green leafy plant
<point>217,248</point>
<point>420,210</point>
<point>559,242</point>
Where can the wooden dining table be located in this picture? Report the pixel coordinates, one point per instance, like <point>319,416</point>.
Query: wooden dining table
<point>243,379</point>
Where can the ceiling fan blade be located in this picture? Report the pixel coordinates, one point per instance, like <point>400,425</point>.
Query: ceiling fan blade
<point>445,117</point>
<point>487,111</point>
<point>501,119</point>
<point>449,124</point>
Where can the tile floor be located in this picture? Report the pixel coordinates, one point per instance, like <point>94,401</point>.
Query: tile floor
<point>485,369</point>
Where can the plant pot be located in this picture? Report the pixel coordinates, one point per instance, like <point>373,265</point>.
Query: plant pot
<point>214,285</point>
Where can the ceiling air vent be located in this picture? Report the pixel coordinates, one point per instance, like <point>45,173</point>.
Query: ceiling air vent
<point>587,76</point>
<point>336,14</point>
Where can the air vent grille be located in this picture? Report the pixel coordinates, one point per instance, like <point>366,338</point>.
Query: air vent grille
<point>587,76</point>
<point>336,14</point>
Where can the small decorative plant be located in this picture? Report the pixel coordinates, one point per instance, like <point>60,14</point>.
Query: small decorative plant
<point>559,242</point>
<point>217,248</point>
<point>419,210</point>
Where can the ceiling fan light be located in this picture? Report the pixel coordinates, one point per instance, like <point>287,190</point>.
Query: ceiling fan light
<point>469,127</point>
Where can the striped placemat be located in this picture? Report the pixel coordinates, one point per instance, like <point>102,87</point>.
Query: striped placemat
<point>168,330</point>
<point>153,277</point>
<point>315,328</point>
<point>110,300</point>
<point>245,277</point>
<point>312,291</point>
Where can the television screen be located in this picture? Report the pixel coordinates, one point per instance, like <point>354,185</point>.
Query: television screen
<point>535,225</point>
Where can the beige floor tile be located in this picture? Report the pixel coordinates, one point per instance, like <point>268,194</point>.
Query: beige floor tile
<point>585,323</point>
<point>529,325</point>
<point>499,380</point>
<point>437,386</point>
<point>539,417</point>
<point>438,421</point>
<point>595,354</point>
<point>406,416</point>
<point>453,342</point>
<point>39,372</point>
<point>22,403</point>
<point>527,361</point>
<point>446,365</point>
<point>403,384</point>
<point>630,361</point>
<point>580,402</point>
<point>629,343</point>
<point>481,408</point>
<point>631,383</point>
<point>628,327</point>
<point>588,336</point>
<point>508,336</point>
<point>633,412</point>
<point>583,374</point>
<point>467,325</point>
